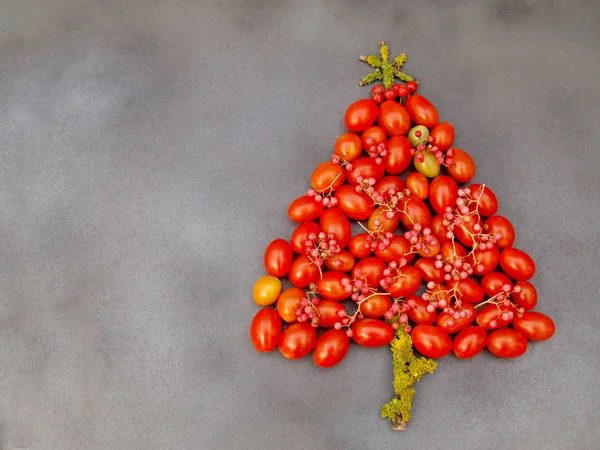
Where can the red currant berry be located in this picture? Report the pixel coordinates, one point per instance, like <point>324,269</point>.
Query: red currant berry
<point>390,94</point>
<point>403,91</point>
<point>412,86</point>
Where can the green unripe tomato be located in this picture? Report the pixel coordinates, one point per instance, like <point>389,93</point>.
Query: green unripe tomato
<point>429,167</point>
<point>417,140</point>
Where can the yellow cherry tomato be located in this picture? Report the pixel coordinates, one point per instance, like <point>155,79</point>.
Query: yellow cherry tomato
<point>266,290</point>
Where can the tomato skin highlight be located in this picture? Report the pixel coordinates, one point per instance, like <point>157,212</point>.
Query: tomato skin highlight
<point>348,147</point>
<point>327,177</point>
<point>468,290</point>
<point>490,313</point>
<point>527,298</point>
<point>418,184</point>
<point>328,312</point>
<point>300,236</point>
<point>502,226</point>
<point>334,221</point>
<point>394,118</point>
<point>488,203</point>
<point>360,115</point>
<point>365,167</point>
<point>342,261</point>
<point>386,223</point>
<point>355,205</point>
<point>358,245</point>
<point>419,313</point>
<point>422,111</point>
<point>266,290</point>
<point>297,340</point>
<point>398,156</point>
<point>406,284</point>
<point>493,283</point>
<point>305,209</point>
<point>443,192</point>
<point>330,286</point>
<point>399,248</point>
<point>443,133</point>
<point>517,264</point>
<point>374,132</point>
<point>463,167</point>
<point>535,326</point>
<point>265,330</point>
<point>389,182</point>
<point>371,269</point>
<point>288,302</point>
<point>278,258</point>
<point>428,270</point>
<point>331,348</point>
<point>487,260</point>
<point>376,306</point>
<point>430,341</point>
<point>303,272</point>
<point>415,211</point>
<point>506,343</point>
<point>372,333</point>
<point>469,342</point>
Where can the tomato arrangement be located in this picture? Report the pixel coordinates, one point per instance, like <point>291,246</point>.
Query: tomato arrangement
<point>397,172</point>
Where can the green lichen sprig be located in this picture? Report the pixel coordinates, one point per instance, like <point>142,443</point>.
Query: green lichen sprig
<point>385,70</point>
<point>408,369</point>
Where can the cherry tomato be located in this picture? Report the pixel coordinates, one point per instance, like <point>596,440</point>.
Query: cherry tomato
<point>305,209</point>
<point>372,332</point>
<point>469,342</point>
<point>498,225</point>
<point>333,221</point>
<point>430,341</point>
<point>535,326</point>
<point>443,192</point>
<point>451,251</point>
<point>375,135</point>
<point>265,330</point>
<point>428,270</point>
<point>414,211</point>
<point>331,348</point>
<point>371,268</point>
<point>278,258</point>
<point>394,118</point>
<point>488,203</point>
<point>399,248</point>
<point>300,236</point>
<point>329,311</point>
<point>348,147</point>
<point>517,264</point>
<point>360,115</point>
<point>451,324</point>
<point>355,205</point>
<point>303,272</point>
<point>463,167</point>
<point>398,156</point>
<point>439,230</point>
<point>406,283</point>
<point>376,306</point>
<point>527,298</point>
<point>418,184</point>
<point>494,282</point>
<point>330,286</point>
<point>465,231</point>
<point>365,167</point>
<point>467,290</point>
<point>266,290</point>
<point>384,185</point>
<point>485,260</point>
<point>429,165</point>
<point>506,343</point>
<point>379,220</point>
<point>327,177</point>
<point>288,302</point>
<point>297,340</point>
<point>342,261</point>
<point>359,245</point>
<point>491,316</point>
<point>443,133</point>
<point>419,314</point>
<point>421,111</point>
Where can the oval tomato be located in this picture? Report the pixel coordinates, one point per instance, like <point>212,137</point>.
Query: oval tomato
<point>331,348</point>
<point>501,226</point>
<point>305,209</point>
<point>394,118</point>
<point>399,248</point>
<point>485,261</point>
<point>428,165</point>
<point>379,220</point>
<point>467,290</point>
<point>288,302</point>
<point>376,306</point>
<point>372,333</point>
<point>466,231</point>
<point>342,261</point>
<point>451,251</point>
<point>463,167</point>
<point>278,258</point>
<point>414,211</point>
<point>365,167</point>
<point>406,283</point>
<point>469,342</point>
<point>494,282</point>
<point>439,230</point>
<point>348,147</point>
<point>360,115</point>
<point>487,201</point>
<point>303,272</point>
<point>491,316</point>
<point>355,205</point>
<point>421,111</point>
<point>371,270</point>
<point>535,326</point>
<point>443,192</point>
<point>452,323</point>
<point>428,270</point>
<point>359,246</point>
<point>418,184</point>
<point>329,312</point>
<point>327,177</point>
<point>419,314</point>
<point>517,264</point>
<point>506,343</point>
<point>398,156</point>
<point>333,221</point>
<point>443,135</point>
<point>430,341</point>
<point>266,290</point>
<point>265,330</point>
<point>388,183</point>
<point>297,340</point>
<point>372,137</point>
<point>300,236</point>
<point>330,286</point>
<point>527,297</point>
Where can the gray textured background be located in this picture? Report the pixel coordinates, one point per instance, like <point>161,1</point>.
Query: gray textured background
<point>149,150</point>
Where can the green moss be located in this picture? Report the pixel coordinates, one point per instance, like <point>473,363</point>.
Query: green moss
<point>384,70</point>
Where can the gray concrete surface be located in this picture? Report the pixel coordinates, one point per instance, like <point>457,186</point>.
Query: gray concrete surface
<point>149,150</point>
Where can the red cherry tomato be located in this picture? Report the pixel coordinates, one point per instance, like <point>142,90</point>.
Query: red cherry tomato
<point>372,332</point>
<point>463,167</point>
<point>487,201</point>
<point>451,251</point>
<point>303,272</point>
<point>485,260</point>
<point>365,167</point>
<point>494,282</point>
<point>333,221</point>
<point>419,314</point>
<point>375,135</point>
<point>327,177</point>
<point>305,209</point>
<point>467,290</point>
<point>330,286</point>
<point>300,236</point>
<point>360,115</point>
<point>498,225</point>
<point>535,326</point>
<point>355,205</point>
<point>265,330</point>
<point>465,231</point>
<point>428,270</point>
<point>288,302</point>
<point>399,248</point>
<point>443,133</point>
<point>398,156</point>
<point>527,298</point>
<point>348,147</point>
<point>414,211</point>
<point>379,220</point>
<point>376,306</point>
<point>394,118</point>
<point>450,324</point>
<point>297,340</point>
<point>430,341</point>
<point>359,246</point>
<point>342,261</point>
<point>406,283</point>
<point>278,258</point>
<point>331,348</point>
<point>418,184</point>
<point>371,270</point>
<point>329,312</point>
<point>507,343</point>
<point>421,111</point>
<point>384,185</point>
<point>517,264</point>
<point>439,230</point>
<point>443,192</point>
<point>491,317</point>
<point>469,342</point>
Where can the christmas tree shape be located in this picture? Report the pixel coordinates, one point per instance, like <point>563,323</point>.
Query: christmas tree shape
<point>397,173</point>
